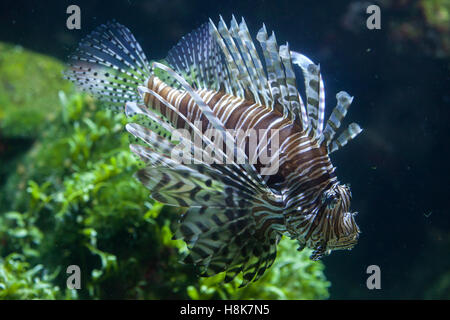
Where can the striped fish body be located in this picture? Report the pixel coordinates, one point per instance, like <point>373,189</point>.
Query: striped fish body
<point>241,114</point>
<point>235,113</point>
<point>215,80</point>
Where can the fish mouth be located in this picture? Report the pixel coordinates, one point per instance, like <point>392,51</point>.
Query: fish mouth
<point>343,243</point>
<point>349,235</point>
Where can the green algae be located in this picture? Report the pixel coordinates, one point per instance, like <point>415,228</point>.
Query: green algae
<point>29,85</point>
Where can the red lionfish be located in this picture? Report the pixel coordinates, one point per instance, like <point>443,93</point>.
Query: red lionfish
<point>236,215</point>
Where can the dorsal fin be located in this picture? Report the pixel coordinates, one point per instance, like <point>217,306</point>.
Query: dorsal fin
<point>315,93</point>
<point>295,100</point>
<point>254,62</point>
<point>198,58</point>
<point>268,48</point>
<point>334,122</point>
<point>110,64</point>
<point>242,38</point>
<point>238,67</point>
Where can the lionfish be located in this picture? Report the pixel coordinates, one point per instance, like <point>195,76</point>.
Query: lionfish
<point>215,78</point>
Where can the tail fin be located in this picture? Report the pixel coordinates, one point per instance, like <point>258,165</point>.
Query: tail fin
<point>109,64</point>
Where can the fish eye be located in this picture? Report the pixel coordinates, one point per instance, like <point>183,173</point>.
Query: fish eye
<point>347,187</point>
<point>333,202</point>
<point>330,199</point>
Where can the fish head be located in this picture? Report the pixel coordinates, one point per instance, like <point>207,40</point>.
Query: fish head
<point>341,232</point>
<point>331,226</point>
